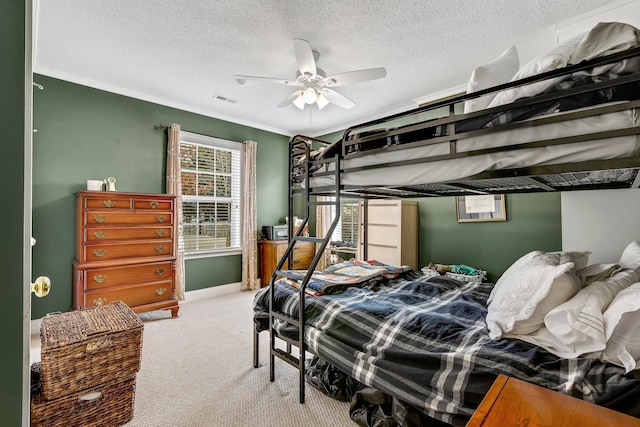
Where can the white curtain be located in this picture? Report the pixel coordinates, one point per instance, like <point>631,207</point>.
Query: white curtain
<point>174,186</point>
<point>324,217</point>
<point>249,220</point>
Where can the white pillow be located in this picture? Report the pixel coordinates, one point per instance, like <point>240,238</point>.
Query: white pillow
<point>631,256</point>
<point>578,323</point>
<point>557,57</point>
<point>594,272</point>
<point>512,270</point>
<point>604,39</point>
<point>496,72</point>
<point>564,287</point>
<point>622,329</point>
<point>520,290</point>
<point>580,259</point>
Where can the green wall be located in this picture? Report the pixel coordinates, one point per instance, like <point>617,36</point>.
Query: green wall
<point>533,223</point>
<point>12,107</point>
<point>85,133</point>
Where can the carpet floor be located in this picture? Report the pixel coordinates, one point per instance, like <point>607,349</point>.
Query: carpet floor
<point>197,371</point>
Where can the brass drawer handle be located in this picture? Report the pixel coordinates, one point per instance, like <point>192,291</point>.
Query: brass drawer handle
<point>100,234</point>
<point>109,203</point>
<point>99,218</point>
<point>159,248</point>
<point>160,233</point>
<point>99,252</point>
<point>100,301</point>
<point>154,205</point>
<point>99,278</point>
<point>160,271</point>
<point>161,291</point>
<point>161,218</point>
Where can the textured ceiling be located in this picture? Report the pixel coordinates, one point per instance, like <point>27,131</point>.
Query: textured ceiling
<point>183,53</point>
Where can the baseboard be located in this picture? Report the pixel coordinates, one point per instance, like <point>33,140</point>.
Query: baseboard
<point>35,327</point>
<point>213,291</point>
<point>195,295</point>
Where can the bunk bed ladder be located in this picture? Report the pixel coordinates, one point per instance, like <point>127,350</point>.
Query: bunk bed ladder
<point>299,157</point>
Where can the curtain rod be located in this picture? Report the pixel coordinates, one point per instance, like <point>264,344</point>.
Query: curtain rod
<point>165,127</point>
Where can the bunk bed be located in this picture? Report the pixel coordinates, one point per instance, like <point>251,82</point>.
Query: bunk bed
<point>424,340</point>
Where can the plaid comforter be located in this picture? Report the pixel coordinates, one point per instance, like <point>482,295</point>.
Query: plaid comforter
<point>424,341</point>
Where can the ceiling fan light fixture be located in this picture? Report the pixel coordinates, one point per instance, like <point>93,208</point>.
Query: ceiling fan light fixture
<point>321,101</point>
<point>313,85</point>
<point>299,102</point>
<point>309,95</point>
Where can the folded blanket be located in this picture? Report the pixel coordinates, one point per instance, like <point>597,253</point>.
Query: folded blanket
<point>341,276</point>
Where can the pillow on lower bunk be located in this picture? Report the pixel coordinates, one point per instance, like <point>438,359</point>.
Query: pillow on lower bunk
<point>529,289</point>
<point>621,325</point>
<point>580,259</point>
<point>496,72</point>
<point>597,272</point>
<point>578,323</point>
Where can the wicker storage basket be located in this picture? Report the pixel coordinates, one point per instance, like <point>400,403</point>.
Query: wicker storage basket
<point>461,277</point>
<point>105,405</point>
<point>85,348</point>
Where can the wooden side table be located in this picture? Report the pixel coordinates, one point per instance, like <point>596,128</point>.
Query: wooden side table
<point>272,250</point>
<point>513,402</point>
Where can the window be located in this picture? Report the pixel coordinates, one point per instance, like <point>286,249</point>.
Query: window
<point>347,229</point>
<point>349,223</point>
<point>210,172</point>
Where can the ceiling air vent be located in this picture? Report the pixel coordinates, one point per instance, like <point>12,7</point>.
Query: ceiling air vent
<point>224,98</point>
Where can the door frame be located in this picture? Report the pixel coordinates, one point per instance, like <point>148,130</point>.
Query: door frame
<point>27,216</point>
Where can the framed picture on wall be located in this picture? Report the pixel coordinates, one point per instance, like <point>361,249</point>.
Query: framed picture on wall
<point>489,207</point>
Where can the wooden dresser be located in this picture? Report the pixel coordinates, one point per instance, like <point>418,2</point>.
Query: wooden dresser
<point>513,402</point>
<point>124,251</point>
<point>272,250</point>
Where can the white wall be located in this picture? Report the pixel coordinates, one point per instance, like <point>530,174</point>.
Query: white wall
<point>601,221</point>
<point>627,11</point>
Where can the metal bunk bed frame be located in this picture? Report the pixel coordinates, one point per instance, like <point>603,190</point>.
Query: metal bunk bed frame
<point>518,180</point>
<point>299,148</point>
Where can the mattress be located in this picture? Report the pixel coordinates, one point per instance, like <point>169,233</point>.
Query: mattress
<point>424,340</point>
<point>464,167</point>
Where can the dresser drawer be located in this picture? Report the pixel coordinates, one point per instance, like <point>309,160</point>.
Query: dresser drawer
<point>120,201</point>
<point>127,218</point>
<point>302,257</point>
<point>98,234</point>
<point>103,252</point>
<point>97,278</point>
<point>115,202</point>
<point>152,204</point>
<point>131,295</point>
<point>303,253</point>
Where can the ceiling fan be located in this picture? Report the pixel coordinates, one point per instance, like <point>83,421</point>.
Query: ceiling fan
<point>314,85</point>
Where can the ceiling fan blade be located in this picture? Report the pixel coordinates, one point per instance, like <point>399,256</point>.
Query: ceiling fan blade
<point>289,99</point>
<point>337,98</point>
<point>243,79</point>
<point>304,57</point>
<point>351,77</point>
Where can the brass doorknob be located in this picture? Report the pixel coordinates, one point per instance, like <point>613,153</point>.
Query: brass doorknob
<point>41,287</point>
